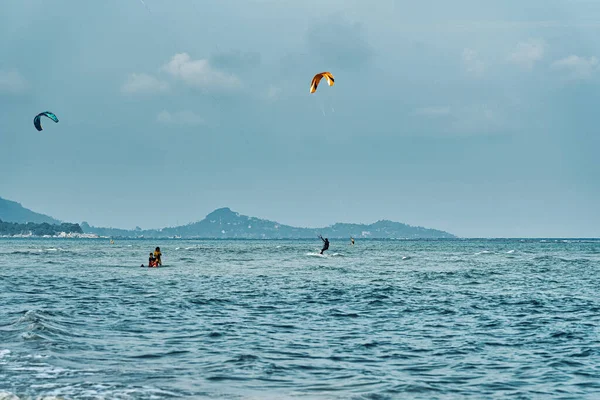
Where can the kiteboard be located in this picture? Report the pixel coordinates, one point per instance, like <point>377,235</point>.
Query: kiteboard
<point>324,255</point>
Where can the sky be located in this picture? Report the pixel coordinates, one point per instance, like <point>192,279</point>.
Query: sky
<point>475,117</point>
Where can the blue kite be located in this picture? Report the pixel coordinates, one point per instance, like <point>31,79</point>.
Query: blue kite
<point>38,123</point>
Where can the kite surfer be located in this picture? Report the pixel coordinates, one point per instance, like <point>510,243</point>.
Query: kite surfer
<point>325,244</point>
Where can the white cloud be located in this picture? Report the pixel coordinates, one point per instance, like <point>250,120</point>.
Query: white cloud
<point>184,117</point>
<point>433,112</point>
<point>463,120</point>
<point>12,82</point>
<point>144,84</point>
<point>273,92</point>
<point>477,119</point>
<point>199,73</point>
<point>579,67</point>
<point>472,62</point>
<point>526,54</point>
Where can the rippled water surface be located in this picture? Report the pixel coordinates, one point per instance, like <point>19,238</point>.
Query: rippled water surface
<point>80,319</point>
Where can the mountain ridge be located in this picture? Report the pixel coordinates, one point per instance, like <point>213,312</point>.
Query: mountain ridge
<point>224,223</point>
<point>228,224</point>
<point>11,211</point>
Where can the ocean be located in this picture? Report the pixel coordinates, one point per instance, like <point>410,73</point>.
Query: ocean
<point>426,319</point>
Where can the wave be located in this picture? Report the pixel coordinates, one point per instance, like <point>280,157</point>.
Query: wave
<point>39,251</point>
<point>287,323</point>
<point>340,314</point>
<point>42,325</point>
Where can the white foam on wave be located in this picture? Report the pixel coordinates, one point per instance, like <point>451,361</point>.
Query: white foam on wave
<point>43,371</point>
<point>35,250</point>
<point>98,391</point>
<point>7,396</point>
<point>510,252</point>
<point>324,255</point>
<point>4,353</point>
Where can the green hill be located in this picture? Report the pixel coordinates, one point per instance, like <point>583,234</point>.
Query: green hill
<point>11,211</point>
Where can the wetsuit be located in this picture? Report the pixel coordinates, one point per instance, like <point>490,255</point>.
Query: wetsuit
<point>325,245</point>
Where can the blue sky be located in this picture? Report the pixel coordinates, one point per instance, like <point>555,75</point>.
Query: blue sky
<point>476,117</point>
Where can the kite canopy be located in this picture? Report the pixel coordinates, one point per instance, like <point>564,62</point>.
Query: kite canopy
<point>38,124</point>
<point>317,79</point>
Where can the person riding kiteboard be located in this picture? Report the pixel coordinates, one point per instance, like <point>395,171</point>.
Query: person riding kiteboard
<point>325,244</point>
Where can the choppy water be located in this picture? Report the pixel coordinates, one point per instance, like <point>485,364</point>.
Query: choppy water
<point>80,319</point>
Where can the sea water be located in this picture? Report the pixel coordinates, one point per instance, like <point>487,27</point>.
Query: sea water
<point>80,319</point>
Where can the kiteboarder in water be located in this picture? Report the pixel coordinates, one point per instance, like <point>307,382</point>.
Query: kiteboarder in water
<point>325,244</point>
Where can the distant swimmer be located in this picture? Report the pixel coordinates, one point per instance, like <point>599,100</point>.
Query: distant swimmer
<point>151,261</point>
<point>325,244</point>
<point>157,255</point>
<point>352,240</point>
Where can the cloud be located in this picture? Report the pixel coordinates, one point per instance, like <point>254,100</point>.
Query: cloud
<point>339,42</point>
<point>12,82</point>
<point>477,119</point>
<point>184,117</point>
<point>273,92</point>
<point>473,64</point>
<point>199,73</point>
<point>235,60</point>
<point>526,54</point>
<point>144,84</point>
<point>579,67</point>
<point>433,112</point>
<point>462,120</point>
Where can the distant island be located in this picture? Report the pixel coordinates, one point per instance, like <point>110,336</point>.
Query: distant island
<point>227,224</point>
<point>222,223</point>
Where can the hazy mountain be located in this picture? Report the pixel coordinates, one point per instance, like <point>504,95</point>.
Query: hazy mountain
<point>227,224</point>
<point>11,211</point>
